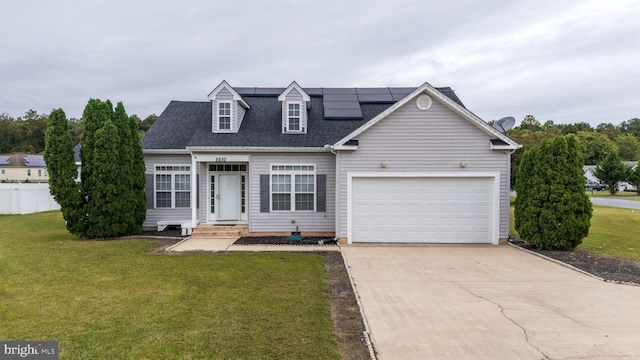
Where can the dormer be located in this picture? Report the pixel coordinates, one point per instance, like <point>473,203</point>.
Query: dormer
<point>228,109</point>
<point>295,103</point>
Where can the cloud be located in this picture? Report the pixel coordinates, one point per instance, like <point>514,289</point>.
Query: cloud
<point>568,61</point>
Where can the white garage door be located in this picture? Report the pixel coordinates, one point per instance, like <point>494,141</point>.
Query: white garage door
<point>422,210</point>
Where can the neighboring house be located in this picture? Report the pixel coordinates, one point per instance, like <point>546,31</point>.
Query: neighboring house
<point>360,164</point>
<point>622,186</point>
<point>589,173</point>
<point>23,168</point>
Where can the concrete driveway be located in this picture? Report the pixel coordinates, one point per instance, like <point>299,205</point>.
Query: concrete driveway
<point>489,302</point>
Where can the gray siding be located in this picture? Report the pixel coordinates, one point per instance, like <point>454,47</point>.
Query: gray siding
<point>154,215</point>
<point>411,140</point>
<point>281,221</point>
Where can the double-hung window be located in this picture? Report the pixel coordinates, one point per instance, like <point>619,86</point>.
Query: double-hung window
<point>293,188</point>
<point>173,186</point>
<point>224,116</point>
<point>293,117</point>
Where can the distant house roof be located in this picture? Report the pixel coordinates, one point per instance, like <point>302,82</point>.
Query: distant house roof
<point>22,160</point>
<point>185,124</point>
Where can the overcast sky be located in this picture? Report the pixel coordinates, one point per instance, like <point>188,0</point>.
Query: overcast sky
<point>563,60</point>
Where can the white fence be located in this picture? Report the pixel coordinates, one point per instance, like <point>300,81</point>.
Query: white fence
<point>26,198</point>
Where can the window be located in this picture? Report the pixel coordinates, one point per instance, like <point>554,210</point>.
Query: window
<point>173,186</point>
<point>293,188</point>
<point>293,117</point>
<point>224,116</point>
<point>2,171</point>
<point>28,172</point>
<point>39,172</point>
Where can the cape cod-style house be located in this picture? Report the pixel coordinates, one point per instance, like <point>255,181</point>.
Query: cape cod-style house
<point>362,164</point>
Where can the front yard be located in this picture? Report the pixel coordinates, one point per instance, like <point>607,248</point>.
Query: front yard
<point>115,299</point>
<point>614,232</point>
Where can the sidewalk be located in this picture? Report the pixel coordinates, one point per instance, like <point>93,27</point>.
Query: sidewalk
<point>218,245</point>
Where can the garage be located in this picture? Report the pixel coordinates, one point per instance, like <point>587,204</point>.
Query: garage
<point>421,209</point>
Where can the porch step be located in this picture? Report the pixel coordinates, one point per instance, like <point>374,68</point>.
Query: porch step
<point>219,231</point>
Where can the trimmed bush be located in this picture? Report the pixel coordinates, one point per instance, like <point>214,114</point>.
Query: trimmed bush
<point>552,210</point>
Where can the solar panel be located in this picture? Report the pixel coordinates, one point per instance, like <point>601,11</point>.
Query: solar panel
<point>313,91</point>
<point>4,160</point>
<point>341,105</point>
<point>372,91</point>
<point>340,98</point>
<point>269,91</point>
<point>339,91</point>
<point>343,113</point>
<point>245,90</point>
<point>34,160</point>
<point>376,98</point>
<point>399,93</point>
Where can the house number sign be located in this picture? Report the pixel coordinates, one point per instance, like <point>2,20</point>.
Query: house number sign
<point>221,158</point>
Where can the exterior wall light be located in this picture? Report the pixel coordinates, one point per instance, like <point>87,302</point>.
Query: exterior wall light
<point>463,164</point>
<point>383,164</point>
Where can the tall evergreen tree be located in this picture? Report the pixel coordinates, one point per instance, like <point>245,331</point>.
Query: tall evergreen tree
<point>96,114</point>
<point>553,212</point>
<point>58,155</point>
<point>110,199</point>
<point>107,207</point>
<point>611,171</point>
<point>132,170</point>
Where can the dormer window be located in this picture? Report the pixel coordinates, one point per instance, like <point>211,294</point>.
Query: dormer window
<point>224,116</point>
<point>295,104</point>
<point>228,109</point>
<point>293,117</point>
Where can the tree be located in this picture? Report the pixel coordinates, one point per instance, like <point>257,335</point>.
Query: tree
<point>109,201</point>
<point>553,212</point>
<point>132,168</point>
<point>628,147</point>
<point>530,123</point>
<point>595,146</point>
<point>634,177</point>
<point>106,207</point>
<point>58,155</point>
<point>611,171</point>
<point>608,129</point>
<point>631,126</point>
<point>530,138</point>
<point>147,122</point>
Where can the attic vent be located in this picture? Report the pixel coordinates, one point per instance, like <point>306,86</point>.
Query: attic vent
<point>424,102</point>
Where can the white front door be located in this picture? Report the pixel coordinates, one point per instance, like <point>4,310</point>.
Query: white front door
<point>228,196</point>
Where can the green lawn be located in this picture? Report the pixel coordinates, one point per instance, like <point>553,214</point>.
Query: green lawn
<point>619,194</point>
<point>115,300</point>
<point>614,231</point>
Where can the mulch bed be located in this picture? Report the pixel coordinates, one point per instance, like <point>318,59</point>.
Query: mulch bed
<point>280,240</point>
<point>609,268</point>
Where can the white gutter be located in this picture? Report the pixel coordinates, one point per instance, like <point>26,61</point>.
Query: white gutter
<point>166,151</point>
<point>254,149</point>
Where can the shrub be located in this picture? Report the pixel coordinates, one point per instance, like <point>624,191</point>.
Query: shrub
<point>552,210</point>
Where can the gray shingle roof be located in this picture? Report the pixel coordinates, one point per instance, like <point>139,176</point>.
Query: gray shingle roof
<point>183,124</point>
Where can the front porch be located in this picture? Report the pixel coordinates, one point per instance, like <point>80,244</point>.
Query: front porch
<point>211,231</point>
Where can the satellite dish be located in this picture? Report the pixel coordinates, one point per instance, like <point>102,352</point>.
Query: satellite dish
<point>505,124</point>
